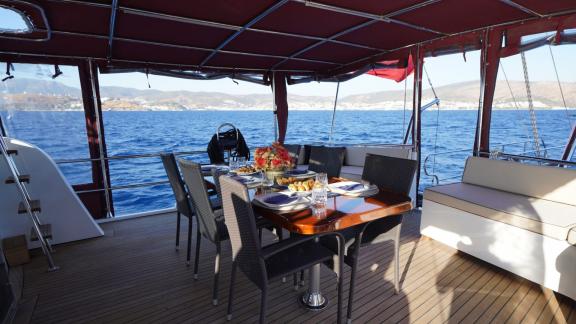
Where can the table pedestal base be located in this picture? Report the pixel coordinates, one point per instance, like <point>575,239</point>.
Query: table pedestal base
<point>313,299</point>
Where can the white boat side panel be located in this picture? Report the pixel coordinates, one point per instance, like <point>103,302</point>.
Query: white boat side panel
<point>60,205</point>
<point>544,260</point>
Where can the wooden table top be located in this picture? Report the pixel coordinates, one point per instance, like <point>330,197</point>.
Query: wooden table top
<point>341,212</point>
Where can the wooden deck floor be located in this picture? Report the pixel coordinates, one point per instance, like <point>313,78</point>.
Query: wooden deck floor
<point>133,274</point>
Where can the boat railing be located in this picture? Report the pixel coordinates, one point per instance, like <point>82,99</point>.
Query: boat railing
<point>525,154</point>
<point>136,185</point>
<point>108,188</point>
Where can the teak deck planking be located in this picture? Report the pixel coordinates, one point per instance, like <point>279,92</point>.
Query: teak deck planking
<point>133,274</point>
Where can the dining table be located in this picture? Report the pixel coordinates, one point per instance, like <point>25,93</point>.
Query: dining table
<point>339,212</point>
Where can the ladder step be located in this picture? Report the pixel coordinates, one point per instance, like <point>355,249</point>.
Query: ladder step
<point>35,204</point>
<point>45,229</point>
<point>23,178</point>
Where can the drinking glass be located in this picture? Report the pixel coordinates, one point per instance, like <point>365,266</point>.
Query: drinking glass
<point>322,179</point>
<point>233,164</point>
<point>241,161</point>
<point>320,190</point>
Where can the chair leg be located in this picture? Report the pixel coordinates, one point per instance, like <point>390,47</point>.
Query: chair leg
<point>260,236</point>
<point>177,230</point>
<point>216,274</point>
<point>197,256</point>
<point>397,260</point>
<point>340,292</point>
<point>352,283</point>
<point>263,305</point>
<point>188,251</point>
<point>232,280</point>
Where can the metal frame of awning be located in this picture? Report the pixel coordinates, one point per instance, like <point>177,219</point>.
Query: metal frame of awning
<point>325,68</point>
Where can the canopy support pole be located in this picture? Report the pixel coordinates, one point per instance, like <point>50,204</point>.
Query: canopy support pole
<point>417,110</point>
<point>280,105</point>
<point>489,63</point>
<point>100,204</point>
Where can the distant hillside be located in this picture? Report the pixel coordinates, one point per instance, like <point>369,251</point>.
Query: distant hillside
<point>28,94</point>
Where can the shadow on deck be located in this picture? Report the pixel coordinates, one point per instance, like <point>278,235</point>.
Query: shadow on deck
<point>133,274</point>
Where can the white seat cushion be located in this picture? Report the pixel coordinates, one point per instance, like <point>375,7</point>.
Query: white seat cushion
<point>541,216</point>
<point>349,169</point>
<point>546,182</point>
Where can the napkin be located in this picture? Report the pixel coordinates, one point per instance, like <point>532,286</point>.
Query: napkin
<point>240,179</point>
<point>280,199</point>
<point>352,187</point>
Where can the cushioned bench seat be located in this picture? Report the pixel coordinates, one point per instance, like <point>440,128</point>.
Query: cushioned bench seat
<point>519,217</point>
<point>352,172</point>
<point>541,216</point>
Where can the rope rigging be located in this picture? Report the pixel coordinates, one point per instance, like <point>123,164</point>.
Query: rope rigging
<point>513,96</point>
<point>531,106</point>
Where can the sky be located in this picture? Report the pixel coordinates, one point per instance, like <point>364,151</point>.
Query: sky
<point>442,70</point>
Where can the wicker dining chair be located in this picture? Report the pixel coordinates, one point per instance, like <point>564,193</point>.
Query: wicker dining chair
<point>326,159</point>
<point>294,150</point>
<point>210,222</point>
<point>260,265</point>
<point>261,222</point>
<point>389,173</point>
<point>184,205</point>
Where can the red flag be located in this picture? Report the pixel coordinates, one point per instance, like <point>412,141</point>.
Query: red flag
<point>396,74</point>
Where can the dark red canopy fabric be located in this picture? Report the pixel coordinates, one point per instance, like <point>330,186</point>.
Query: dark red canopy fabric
<point>314,38</point>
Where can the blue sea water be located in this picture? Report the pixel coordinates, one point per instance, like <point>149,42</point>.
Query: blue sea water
<point>63,136</point>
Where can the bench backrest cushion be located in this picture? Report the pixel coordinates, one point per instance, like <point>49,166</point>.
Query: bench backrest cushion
<point>356,155</point>
<point>545,182</point>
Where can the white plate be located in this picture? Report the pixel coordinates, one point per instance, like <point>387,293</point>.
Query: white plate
<point>306,175</point>
<point>361,191</point>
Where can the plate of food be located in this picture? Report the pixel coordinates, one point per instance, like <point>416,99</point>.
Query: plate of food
<point>246,170</point>
<point>303,187</point>
<point>288,180</point>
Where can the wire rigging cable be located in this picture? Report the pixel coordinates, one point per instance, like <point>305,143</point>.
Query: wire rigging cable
<point>568,117</point>
<point>334,113</point>
<point>513,97</point>
<point>437,121</point>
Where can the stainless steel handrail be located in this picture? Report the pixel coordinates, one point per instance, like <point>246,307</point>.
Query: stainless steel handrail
<point>127,186</point>
<point>498,154</point>
<point>125,157</point>
<point>536,159</point>
<point>434,176</point>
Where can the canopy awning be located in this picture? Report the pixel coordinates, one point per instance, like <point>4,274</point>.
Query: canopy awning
<point>301,38</point>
